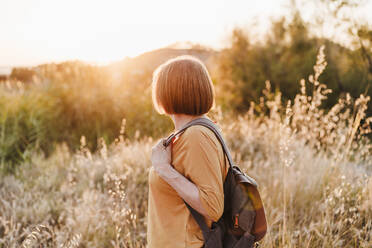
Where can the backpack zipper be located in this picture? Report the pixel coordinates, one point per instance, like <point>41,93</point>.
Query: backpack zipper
<point>236,221</point>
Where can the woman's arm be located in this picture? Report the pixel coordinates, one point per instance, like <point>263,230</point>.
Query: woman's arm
<point>185,189</point>
<point>161,159</point>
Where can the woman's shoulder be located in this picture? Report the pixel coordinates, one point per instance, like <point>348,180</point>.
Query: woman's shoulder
<point>198,134</point>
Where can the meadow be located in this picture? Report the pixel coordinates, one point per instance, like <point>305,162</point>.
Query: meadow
<point>313,167</point>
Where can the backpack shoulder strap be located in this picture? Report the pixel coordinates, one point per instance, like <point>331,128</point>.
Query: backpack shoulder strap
<point>206,123</point>
<point>216,130</point>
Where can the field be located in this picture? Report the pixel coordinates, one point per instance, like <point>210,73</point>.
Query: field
<point>313,167</point>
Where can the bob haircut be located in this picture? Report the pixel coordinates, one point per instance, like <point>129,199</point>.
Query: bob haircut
<point>182,85</point>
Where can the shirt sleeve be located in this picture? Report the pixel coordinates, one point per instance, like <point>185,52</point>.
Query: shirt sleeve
<point>201,164</point>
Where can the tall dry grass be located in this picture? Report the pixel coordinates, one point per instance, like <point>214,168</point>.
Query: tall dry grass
<point>314,170</point>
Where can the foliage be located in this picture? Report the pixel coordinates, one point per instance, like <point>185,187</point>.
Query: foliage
<point>314,169</point>
<point>53,103</point>
<point>286,54</point>
<point>23,74</point>
<point>67,101</point>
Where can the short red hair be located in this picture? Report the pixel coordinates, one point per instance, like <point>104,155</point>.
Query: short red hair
<point>182,85</point>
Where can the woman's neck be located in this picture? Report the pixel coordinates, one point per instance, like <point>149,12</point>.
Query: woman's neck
<point>180,120</point>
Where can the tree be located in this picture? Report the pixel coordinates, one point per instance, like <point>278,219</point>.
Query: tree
<point>287,55</point>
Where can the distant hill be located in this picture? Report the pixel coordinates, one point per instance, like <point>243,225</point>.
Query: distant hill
<point>148,61</point>
<point>141,65</point>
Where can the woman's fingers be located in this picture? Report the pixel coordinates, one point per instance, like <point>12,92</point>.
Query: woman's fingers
<point>159,145</point>
<point>160,153</point>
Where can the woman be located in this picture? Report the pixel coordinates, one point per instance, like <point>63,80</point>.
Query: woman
<point>193,168</point>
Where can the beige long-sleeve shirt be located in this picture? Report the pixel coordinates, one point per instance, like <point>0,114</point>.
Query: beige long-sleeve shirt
<point>197,155</point>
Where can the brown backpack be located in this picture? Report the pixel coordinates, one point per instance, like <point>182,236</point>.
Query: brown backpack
<point>243,221</point>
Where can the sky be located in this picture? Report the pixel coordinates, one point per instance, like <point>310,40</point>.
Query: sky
<point>103,31</point>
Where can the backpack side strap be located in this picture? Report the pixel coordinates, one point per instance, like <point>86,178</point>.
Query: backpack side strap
<point>200,220</point>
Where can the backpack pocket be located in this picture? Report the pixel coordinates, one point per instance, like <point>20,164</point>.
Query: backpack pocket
<point>246,220</point>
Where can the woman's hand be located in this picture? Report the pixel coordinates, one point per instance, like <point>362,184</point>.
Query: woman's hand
<point>161,158</point>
